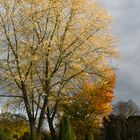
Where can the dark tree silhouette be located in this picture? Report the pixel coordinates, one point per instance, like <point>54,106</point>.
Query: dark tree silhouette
<point>126,109</point>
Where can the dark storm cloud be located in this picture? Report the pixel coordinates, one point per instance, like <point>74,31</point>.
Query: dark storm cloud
<point>126,26</point>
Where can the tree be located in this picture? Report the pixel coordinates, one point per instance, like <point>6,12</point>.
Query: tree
<point>66,131</point>
<point>128,108</point>
<point>88,108</point>
<point>132,127</point>
<point>121,128</point>
<point>89,136</point>
<point>115,128</point>
<point>48,48</point>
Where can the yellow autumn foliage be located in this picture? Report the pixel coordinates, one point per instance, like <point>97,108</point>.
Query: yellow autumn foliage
<point>49,48</point>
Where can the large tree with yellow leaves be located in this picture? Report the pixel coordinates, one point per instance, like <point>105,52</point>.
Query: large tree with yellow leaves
<point>49,47</point>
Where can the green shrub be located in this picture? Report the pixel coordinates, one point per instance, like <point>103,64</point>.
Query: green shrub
<point>47,137</point>
<point>89,136</point>
<point>26,136</point>
<point>66,131</point>
<point>5,136</point>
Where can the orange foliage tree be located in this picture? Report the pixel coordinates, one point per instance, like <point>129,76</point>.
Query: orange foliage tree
<point>91,105</point>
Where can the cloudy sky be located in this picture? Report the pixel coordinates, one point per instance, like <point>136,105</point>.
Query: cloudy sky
<point>126,26</point>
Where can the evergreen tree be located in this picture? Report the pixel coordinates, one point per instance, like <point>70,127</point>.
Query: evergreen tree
<point>89,136</point>
<point>66,131</point>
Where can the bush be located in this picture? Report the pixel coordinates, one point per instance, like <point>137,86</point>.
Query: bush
<point>66,131</point>
<point>26,136</point>
<point>5,136</point>
<point>89,136</point>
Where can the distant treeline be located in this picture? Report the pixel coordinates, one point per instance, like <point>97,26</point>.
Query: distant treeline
<point>123,123</point>
<point>121,128</point>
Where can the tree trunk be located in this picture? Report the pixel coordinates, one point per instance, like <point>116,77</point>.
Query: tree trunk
<point>42,114</point>
<point>29,113</point>
<point>52,130</point>
<point>43,110</point>
<point>32,130</point>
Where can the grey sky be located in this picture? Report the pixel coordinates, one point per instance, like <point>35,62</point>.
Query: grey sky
<point>126,26</point>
